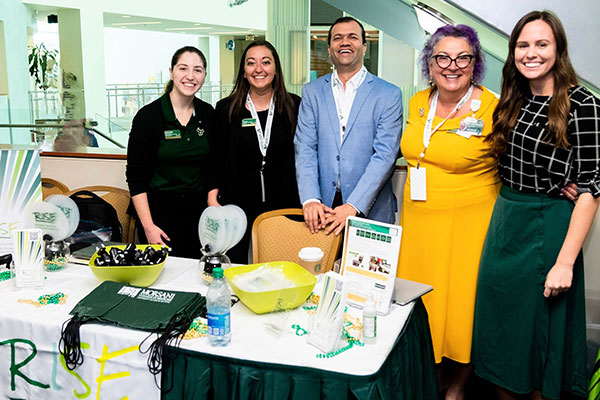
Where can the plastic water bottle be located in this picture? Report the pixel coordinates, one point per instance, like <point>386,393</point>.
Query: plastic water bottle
<point>369,320</point>
<point>218,307</point>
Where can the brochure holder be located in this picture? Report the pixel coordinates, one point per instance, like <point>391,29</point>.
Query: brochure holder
<point>328,321</point>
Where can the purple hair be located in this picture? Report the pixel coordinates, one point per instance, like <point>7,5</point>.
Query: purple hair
<point>457,31</point>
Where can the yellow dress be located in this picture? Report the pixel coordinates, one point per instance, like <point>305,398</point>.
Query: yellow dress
<point>443,236</point>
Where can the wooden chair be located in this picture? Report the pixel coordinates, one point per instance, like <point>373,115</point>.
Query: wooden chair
<point>51,186</point>
<point>275,237</point>
<point>119,199</point>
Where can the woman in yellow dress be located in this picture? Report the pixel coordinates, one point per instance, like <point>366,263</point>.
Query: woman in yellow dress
<point>450,191</point>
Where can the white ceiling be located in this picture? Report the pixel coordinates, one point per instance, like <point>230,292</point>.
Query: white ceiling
<point>580,19</point>
<point>115,20</point>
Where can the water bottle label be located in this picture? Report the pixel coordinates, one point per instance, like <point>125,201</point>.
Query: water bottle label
<point>370,327</point>
<point>218,324</point>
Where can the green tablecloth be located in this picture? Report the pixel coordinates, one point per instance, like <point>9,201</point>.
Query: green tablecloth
<point>407,373</point>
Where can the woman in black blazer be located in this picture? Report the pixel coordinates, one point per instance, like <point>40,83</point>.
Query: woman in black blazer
<point>252,142</point>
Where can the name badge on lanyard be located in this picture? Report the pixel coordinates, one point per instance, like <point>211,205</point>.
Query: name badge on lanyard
<point>418,182</point>
<point>263,140</point>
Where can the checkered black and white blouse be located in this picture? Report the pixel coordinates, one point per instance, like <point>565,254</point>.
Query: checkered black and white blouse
<point>532,164</point>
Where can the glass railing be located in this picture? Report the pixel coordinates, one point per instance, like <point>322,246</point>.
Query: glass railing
<point>45,104</point>
<point>45,124</point>
<point>118,132</point>
<point>124,100</point>
<point>59,135</point>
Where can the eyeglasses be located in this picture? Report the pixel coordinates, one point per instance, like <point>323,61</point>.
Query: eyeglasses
<point>461,62</point>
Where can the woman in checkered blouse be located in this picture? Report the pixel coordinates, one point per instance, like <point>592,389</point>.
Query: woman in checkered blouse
<point>529,334</point>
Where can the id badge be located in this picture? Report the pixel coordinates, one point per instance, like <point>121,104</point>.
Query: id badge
<point>418,186</point>
<point>172,134</point>
<point>246,122</point>
<point>470,126</point>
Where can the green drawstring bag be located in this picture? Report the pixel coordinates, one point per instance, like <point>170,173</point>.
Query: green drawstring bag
<point>163,312</point>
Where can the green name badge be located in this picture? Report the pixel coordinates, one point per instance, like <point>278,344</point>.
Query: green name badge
<point>470,126</point>
<point>174,134</point>
<point>248,122</point>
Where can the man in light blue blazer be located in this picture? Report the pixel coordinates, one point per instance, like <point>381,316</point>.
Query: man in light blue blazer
<point>347,138</point>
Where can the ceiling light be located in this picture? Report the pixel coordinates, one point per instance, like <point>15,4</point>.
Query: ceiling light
<point>188,28</point>
<point>229,33</point>
<point>125,16</point>
<point>137,23</point>
<point>429,18</point>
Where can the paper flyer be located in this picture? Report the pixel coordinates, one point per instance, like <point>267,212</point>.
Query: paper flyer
<point>370,260</point>
<point>29,258</point>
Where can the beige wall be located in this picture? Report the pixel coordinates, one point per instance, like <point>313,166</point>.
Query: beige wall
<point>79,172</point>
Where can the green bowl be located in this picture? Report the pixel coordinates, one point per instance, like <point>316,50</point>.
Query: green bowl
<point>136,275</point>
<point>274,300</point>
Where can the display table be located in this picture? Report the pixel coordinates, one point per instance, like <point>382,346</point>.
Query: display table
<point>407,372</point>
<point>256,364</point>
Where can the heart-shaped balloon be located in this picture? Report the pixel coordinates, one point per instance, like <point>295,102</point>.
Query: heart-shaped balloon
<point>68,207</point>
<point>238,224</point>
<point>49,218</point>
<point>212,229</point>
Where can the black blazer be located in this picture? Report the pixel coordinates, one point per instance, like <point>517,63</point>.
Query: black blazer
<point>238,160</point>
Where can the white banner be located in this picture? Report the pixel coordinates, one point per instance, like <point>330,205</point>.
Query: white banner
<point>20,186</point>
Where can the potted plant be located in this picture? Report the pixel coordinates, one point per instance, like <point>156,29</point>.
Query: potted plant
<point>41,63</point>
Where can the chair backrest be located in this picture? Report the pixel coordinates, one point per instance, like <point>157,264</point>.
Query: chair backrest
<point>51,186</point>
<point>275,237</point>
<point>119,199</point>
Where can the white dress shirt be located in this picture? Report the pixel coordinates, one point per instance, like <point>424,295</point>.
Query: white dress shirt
<point>344,97</point>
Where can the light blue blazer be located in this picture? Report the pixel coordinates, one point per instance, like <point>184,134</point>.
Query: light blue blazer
<point>364,160</point>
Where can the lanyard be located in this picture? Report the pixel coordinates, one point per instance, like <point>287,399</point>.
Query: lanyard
<point>428,132</point>
<point>342,98</point>
<point>263,140</point>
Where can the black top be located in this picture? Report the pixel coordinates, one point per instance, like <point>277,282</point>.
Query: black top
<point>176,164</point>
<point>235,150</point>
<point>533,164</point>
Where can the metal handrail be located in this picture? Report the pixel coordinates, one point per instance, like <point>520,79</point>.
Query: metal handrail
<point>62,126</point>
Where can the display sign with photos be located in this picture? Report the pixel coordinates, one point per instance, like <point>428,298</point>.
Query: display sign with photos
<point>370,260</point>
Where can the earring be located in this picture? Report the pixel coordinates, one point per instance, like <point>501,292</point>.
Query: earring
<point>472,79</point>
<point>430,81</point>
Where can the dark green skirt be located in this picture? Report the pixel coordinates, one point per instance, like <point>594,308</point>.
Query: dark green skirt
<point>523,341</point>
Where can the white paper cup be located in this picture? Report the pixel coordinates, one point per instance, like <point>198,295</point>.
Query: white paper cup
<point>311,258</point>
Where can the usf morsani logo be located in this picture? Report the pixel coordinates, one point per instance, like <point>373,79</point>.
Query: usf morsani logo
<point>158,296</point>
<point>47,217</point>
